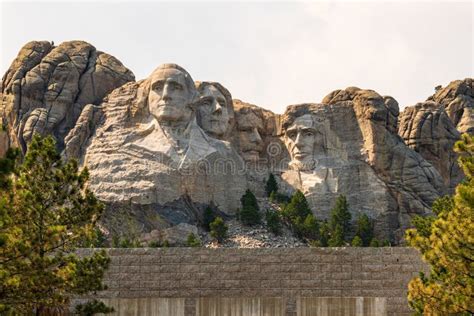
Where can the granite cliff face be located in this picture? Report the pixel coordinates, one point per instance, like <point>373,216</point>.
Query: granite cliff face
<point>162,149</point>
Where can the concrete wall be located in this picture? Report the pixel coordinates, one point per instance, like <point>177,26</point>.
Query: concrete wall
<point>281,281</point>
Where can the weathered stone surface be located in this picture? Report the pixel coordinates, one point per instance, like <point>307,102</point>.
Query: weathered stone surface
<point>177,235</point>
<point>348,145</point>
<point>46,87</point>
<point>458,100</point>
<point>427,129</point>
<point>162,149</point>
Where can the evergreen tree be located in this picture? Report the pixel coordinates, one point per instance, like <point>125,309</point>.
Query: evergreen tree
<point>249,213</point>
<point>310,228</point>
<point>208,218</point>
<point>193,241</point>
<point>219,229</point>
<point>271,185</point>
<point>357,242</point>
<point>337,237</point>
<point>340,216</point>
<point>273,222</point>
<point>324,232</point>
<point>298,208</point>
<point>447,245</point>
<point>45,213</point>
<point>364,229</point>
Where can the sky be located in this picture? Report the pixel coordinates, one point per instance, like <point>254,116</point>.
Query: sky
<point>268,53</point>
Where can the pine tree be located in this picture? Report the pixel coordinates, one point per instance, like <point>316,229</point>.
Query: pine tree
<point>219,229</point>
<point>447,245</point>
<point>364,229</point>
<point>45,213</point>
<point>324,232</point>
<point>273,222</point>
<point>208,217</point>
<point>249,214</point>
<point>337,237</point>
<point>298,208</point>
<point>340,216</point>
<point>271,185</point>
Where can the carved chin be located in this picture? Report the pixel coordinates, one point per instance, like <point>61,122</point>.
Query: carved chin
<point>169,113</point>
<point>302,165</point>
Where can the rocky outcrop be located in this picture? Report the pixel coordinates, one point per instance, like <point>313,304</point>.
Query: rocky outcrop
<point>160,150</point>
<point>359,154</point>
<point>46,88</point>
<point>458,100</point>
<point>427,129</point>
<point>432,127</point>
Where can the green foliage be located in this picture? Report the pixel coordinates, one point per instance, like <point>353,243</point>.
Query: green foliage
<point>386,243</point>
<point>324,234</point>
<point>249,214</point>
<point>357,242</point>
<point>45,213</point>
<point>91,308</point>
<point>364,229</point>
<point>273,222</point>
<point>310,228</point>
<point>125,242</point>
<point>447,245</point>
<point>208,218</point>
<point>219,229</point>
<point>192,241</point>
<point>165,244</point>
<point>340,216</point>
<point>298,208</point>
<point>374,243</point>
<point>337,237</point>
<point>271,185</point>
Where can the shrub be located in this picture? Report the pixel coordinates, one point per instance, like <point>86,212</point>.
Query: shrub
<point>273,222</point>
<point>298,208</point>
<point>310,228</point>
<point>324,234</point>
<point>356,242</point>
<point>249,214</point>
<point>192,241</point>
<point>374,243</point>
<point>219,229</point>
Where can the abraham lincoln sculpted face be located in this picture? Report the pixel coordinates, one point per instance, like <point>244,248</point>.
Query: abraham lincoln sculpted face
<point>171,93</point>
<point>300,138</point>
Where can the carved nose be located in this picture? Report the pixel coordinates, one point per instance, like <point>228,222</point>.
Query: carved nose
<point>256,136</point>
<point>217,107</point>
<point>166,96</point>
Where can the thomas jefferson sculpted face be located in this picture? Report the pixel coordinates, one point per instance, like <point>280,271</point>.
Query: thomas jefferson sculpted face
<point>249,128</point>
<point>213,111</point>
<point>171,92</point>
<point>300,138</point>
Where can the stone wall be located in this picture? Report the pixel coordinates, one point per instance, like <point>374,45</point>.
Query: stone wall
<point>279,281</point>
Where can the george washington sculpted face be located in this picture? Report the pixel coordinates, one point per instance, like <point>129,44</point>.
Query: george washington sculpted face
<point>171,93</point>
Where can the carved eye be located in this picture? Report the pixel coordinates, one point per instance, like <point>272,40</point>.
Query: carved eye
<point>221,101</point>
<point>158,86</point>
<point>308,134</point>
<point>176,86</point>
<point>291,134</point>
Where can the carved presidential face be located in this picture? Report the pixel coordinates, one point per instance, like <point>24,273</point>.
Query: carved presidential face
<point>300,138</point>
<point>213,111</point>
<point>250,127</point>
<point>169,96</point>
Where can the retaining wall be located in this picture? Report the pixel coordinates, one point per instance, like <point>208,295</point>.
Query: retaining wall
<point>279,281</point>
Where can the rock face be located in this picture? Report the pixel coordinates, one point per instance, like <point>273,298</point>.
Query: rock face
<point>162,149</point>
<point>432,127</point>
<point>348,145</point>
<point>46,88</point>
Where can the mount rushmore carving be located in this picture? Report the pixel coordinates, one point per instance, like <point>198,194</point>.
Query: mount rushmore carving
<point>160,150</point>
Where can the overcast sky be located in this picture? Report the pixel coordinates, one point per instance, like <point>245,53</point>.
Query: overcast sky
<point>268,53</point>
